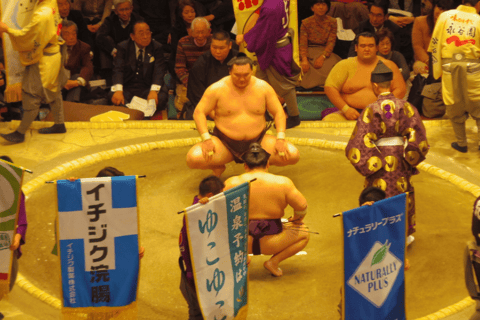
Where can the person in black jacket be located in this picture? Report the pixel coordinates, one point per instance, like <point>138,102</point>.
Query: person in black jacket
<point>139,68</point>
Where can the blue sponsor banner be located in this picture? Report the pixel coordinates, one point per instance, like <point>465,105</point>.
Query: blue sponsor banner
<point>374,255</point>
<point>98,234</point>
<point>218,239</point>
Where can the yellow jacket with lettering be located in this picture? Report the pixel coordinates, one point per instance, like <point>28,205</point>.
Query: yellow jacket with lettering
<point>39,42</point>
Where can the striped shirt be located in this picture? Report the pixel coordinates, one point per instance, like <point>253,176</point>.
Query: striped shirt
<point>187,53</point>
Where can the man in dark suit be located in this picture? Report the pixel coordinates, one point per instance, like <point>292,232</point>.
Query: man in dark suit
<point>139,68</point>
<point>78,62</point>
<point>83,34</point>
<point>116,28</point>
<point>211,66</point>
<point>378,19</point>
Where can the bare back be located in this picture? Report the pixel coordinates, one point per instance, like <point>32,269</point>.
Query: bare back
<point>239,113</point>
<point>269,195</point>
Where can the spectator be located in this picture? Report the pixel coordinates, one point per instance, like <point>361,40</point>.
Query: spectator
<point>186,11</point>
<point>116,28</point>
<point>94,12</point>
<point>318,34</point>
<point>386,41</point>
<point>378,19</point>
<point>157,15</point>
<point>188,50</point>
<point>64,8</point>
<point>78,62</point>
<point>139,68</point>
<point>210,66</point>
<point>422,33</point>
<point>220,13</point>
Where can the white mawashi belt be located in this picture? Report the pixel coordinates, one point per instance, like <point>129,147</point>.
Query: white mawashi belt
<point>392,141</point>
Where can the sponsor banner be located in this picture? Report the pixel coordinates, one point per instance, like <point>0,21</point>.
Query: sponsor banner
<point>244,11</point>
<point>10,191</point>
<point>218,238</point>
<point>374,254</point>
<point>98,241</point>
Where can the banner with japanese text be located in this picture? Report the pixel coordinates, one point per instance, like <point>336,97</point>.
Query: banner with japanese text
<point>218,238</point>
<point>245,12</point>
<point>10,190</point>
<point>98,241</point>
<point>374,258</point>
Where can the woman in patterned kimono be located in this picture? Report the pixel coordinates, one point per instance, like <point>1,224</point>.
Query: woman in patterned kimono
<point>388,142</point>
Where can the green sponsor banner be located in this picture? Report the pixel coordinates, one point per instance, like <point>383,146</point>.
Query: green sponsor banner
<point>10,182</point>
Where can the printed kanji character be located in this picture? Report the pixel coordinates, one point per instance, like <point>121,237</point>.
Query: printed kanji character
<point>238,276</point>
<point>96,191</point>
<point>362,230</point>
<point>96,211</point>
<point>238,237</point>
<point>104,253</point>
<point>210,222</point>
<point>217,282</point>
<point>101,294</point>
<point>99,273</point>
<point>384,220</point>
<point>93,233</point>
<point>236,204</point>
<point>238,258</point>
<point>399,217</point>
<point>353,230</point>
<point>237,223</point>
<point>368,227</point>
<point>391,220</point>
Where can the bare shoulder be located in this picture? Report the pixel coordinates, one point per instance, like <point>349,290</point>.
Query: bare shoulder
<point>259,83</point>
<point>233,182</point>
<point>279,180</point>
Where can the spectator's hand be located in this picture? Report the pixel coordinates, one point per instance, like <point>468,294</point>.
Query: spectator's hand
<point>239,40</point>
<point>141,252</point>
<point>71,84</point>
<point>153,95</point>
<point>401,21</point>
<point>93,27</point>
<point>305,66</point>
<point>281,149</point>
<point>208,149</point>
<point>203,200</point>
<point>118,98</point>
<point>210,17</point>
<point>319,62</point>
<point>3,27</point>
<point>352,114</point>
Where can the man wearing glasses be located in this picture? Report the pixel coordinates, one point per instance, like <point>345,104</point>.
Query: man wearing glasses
<point>115,29</point>
<point>139,68</point>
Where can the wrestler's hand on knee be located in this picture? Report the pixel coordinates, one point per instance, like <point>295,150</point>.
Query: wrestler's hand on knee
<point>281,149</point>
<point>352,114</point>
<point>208,149</point>
<point>296,221</point>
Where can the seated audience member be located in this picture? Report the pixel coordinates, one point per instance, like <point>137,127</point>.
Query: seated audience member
<point>83,34</point>
<point>378,19</point>
<point>94,12</point>
<point>115,29</point>
<point>186,11</point>
<point>78,62</point>
<point>346,87</point>
<point>210,66</point>
<point>422,33</point>
<point>139,69</point>
<point>208,187</point>
<point>188,50</point>
<point>317,40</point>
<point>270,195</point>
<point>385,43</point>
<point>157,15</point>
